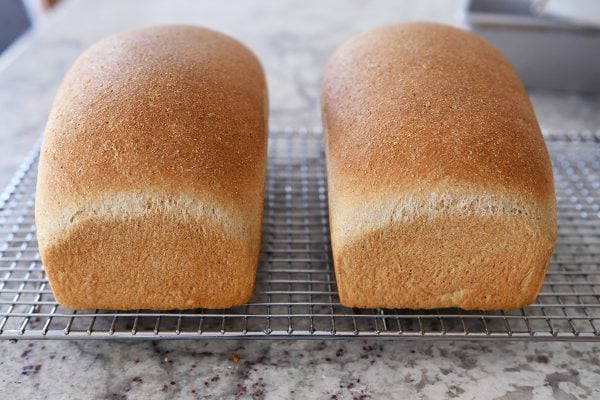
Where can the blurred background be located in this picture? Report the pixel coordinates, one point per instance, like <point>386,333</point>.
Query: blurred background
<point>554,45</point>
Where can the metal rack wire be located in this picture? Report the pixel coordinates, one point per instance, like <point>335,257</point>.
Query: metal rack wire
<point>296,294</point>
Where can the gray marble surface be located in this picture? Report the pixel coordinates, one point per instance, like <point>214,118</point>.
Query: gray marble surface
<point>293,40</point>
<point>299,369</point>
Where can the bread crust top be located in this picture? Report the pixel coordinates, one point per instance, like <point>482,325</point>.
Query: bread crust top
<point>419,106</point>
<point>177,112</point>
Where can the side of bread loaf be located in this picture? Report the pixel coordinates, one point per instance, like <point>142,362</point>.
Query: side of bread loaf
<point>440,185</point>
<point>152,173</point>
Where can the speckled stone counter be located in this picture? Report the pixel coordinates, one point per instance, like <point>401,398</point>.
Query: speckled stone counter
<point>299,369</point>
<point>293,40</point>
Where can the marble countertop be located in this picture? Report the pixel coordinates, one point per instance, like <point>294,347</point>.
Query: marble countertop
<point>293,40</point>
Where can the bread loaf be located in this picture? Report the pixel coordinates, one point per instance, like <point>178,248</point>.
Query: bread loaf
<point>152,173</point>
<point>440,184</point>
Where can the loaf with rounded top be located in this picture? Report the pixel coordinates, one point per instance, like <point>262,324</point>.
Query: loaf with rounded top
<point>440,185</point>
<point>152,173</point>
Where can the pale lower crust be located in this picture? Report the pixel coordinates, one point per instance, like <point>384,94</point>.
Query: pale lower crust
<point>471,262</point>
<point>150,262</point>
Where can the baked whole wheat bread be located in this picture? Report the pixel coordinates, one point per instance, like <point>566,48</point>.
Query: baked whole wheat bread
<point>440,185</point>
<point>152,173</point>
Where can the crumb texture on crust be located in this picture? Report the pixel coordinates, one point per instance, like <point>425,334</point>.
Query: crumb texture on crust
<point>128,206</point>
<point>152,172</point>
<point>440,185</point>
<point>352,218</point>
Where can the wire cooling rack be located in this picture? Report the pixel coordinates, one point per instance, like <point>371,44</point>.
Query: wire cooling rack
<point>296,294</point>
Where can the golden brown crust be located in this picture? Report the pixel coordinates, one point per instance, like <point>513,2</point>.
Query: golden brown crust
<point>471,262</point>
<point>425,120</point>
<point>174,116</point>
<point>154,261</point>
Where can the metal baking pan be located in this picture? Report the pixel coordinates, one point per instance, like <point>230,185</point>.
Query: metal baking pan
<point>547,52</point>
